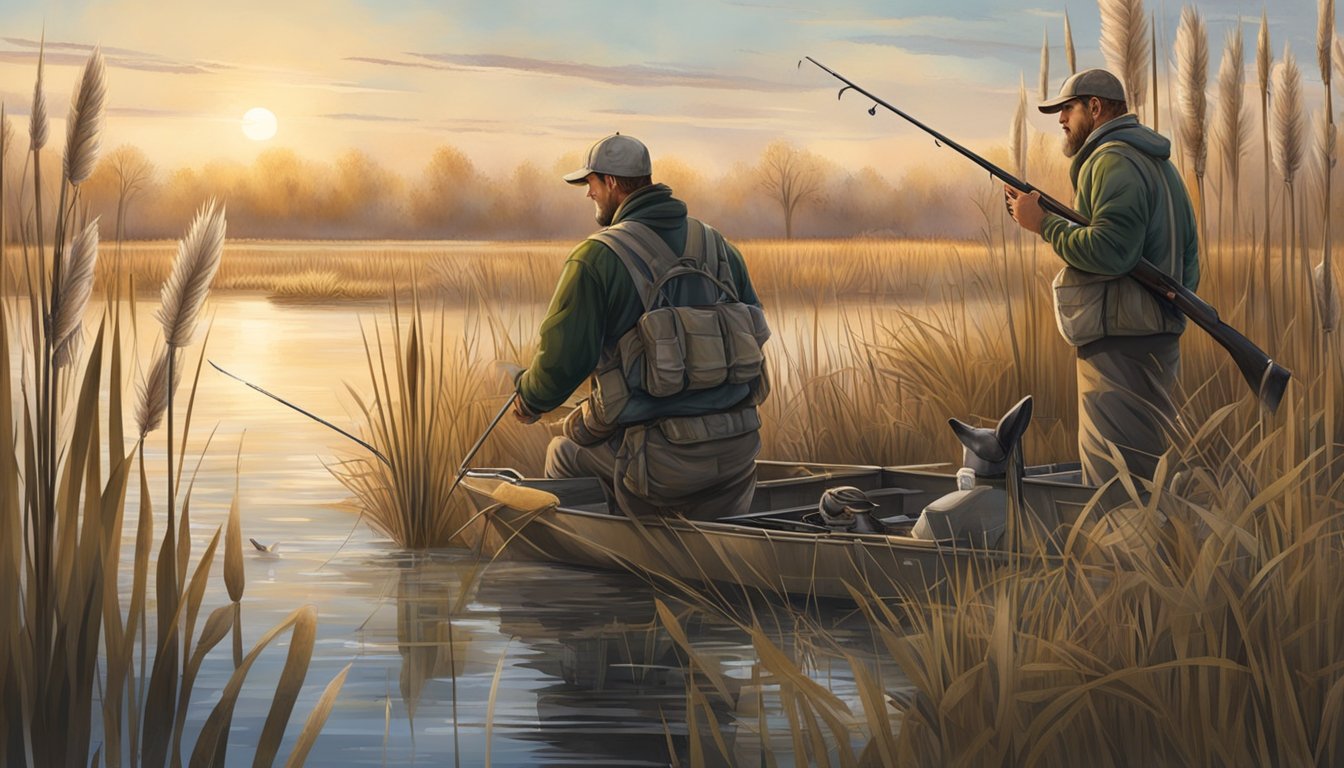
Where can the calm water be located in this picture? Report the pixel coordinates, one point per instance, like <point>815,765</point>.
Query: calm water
<point>582,671</point>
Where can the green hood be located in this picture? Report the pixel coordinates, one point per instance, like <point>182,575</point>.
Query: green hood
<point>655,207</point>
<point>1128,129</point>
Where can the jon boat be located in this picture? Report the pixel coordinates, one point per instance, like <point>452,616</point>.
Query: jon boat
<point>779,546</point>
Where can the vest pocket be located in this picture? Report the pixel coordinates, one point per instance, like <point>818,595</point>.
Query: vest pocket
<point>1080,305</point>
<point>744,332</point>
<point>706,360</point>
<point>664,359</point>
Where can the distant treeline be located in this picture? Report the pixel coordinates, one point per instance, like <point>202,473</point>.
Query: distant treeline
<point>284,195</point>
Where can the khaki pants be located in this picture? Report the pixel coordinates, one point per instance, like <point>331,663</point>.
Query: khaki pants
<point>649,475</point>
<point>1125,398</point>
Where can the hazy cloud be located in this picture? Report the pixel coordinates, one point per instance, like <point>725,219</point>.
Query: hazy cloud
<point>368,118</point>
<point>637,75</point>
<point>947,46</point>
<point>75,54</point>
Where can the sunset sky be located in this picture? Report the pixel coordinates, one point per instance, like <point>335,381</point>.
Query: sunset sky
<point>507,81</point>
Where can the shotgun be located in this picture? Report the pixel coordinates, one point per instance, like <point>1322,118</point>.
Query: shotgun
<point>1266,378</point>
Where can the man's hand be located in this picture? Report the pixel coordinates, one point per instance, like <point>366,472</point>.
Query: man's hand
<point>522,413</point>
<point>1026,210</point>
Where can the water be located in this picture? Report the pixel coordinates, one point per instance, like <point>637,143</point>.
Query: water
<point>582,670</point>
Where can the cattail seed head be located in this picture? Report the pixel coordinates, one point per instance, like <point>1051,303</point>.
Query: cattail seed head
<point>1327,297</point>
<point>1286,123</point>
<point>74,291</point>
<point>85,122</point>
<point>185,290</point>
<point>1124,41</point>
<point>1192,78</point>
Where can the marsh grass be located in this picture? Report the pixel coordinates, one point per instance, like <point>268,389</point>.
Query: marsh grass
<point>67,648</point>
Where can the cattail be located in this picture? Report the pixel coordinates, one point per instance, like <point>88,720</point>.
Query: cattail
<point>1124,41</point>
<point>1325,33</point>
<point>37,121</point>
<point>1069,52</point>
<point>1045,67</point>
<point>86,120</point>
<point>75,289</point>
<point>1286,128</point>
<point>1017,135</point>
<point>154,393</point>
<point>198,256</point>
<point>1192,77</point>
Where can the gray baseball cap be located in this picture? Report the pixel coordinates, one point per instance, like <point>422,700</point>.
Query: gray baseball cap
<point>1089,82</point>
<point>616,155</point>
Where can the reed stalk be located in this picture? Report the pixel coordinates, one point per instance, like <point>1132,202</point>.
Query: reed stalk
<point>1124,41</point>
<point>1325,31</point>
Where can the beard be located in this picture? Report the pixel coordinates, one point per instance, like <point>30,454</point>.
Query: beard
<point>605,212</point>
<point>1075,139</point>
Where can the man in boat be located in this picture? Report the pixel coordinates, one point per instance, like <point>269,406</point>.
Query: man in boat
<point>1128,342</point>
<point>658,310</point>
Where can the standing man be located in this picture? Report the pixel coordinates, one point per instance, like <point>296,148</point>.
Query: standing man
<point>1128,341</point>
<point>659,310</point>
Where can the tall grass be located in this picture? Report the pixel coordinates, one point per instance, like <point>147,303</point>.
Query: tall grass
<point>1124,41</point>
<point>67,647</point>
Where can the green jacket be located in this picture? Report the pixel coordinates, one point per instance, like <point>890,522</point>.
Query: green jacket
<point>595,303</point>
<point>1127,208</point>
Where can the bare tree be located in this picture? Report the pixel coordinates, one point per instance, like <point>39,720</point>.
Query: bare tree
<point>131,170</point>
<point>791,177</point>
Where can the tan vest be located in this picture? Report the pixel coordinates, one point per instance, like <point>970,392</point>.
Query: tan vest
<point>1089,306</point>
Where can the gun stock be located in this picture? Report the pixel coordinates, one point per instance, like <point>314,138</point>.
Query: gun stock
<point>1266,378</point>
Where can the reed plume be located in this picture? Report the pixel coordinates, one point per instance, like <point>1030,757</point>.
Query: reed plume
<point>1326,300</point>
<point>184,292</point>
<point>85,122</point>
<point>1264,59</point>
<point>1325,34</point>
<point>1017,134</point>
<point>1045,67</point>
<point>1069,52</point>
<point>1232,127</point>
<point>1339,58</point>
<point>1124,41</point>
<point>6,132</point>
<point>154,392</point>
<point>1287,128</point>
<point>75,288</point>
<point>1192,78</point>
<point>37,119</point>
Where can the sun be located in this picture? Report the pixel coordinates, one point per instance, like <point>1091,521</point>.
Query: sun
<point>259,124</point>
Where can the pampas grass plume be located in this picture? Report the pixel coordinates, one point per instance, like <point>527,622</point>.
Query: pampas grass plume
<point>184,292</point>
<point>1233,128</point>
<point>75,289</point>
<point>1325,33</point>
<point>1045,67</point>
<point>1192,77</point>
<point>1069,52</point>
<point>1286,126</point>
<point>1124,41</point>
<point>1263,58</point>
<point>1339,59</point>
<point>154,392</point>
<point>37,120</point>
<point>1017,136</point>
<point>85,122</point>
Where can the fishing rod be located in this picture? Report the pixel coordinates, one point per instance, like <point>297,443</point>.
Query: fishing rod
<point>1266,378</point>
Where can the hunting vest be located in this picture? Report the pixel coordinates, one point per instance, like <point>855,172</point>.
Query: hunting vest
<point>1090,306</point>
<point>694,357</point>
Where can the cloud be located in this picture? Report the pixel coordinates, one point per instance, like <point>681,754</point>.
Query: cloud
<point>636,75</point>
<point>933,45</point>
<point>75,54</point>
<point>368,118</point>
